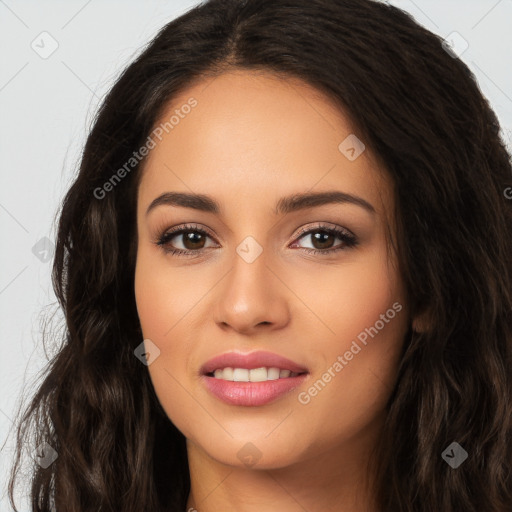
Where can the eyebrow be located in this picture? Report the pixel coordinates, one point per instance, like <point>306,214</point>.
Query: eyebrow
<point>285,205</point>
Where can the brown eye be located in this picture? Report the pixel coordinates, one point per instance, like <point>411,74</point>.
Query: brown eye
<point>187,240</point>
<point>193,240</point>
<point>323,240</point>
<point>190,239</point>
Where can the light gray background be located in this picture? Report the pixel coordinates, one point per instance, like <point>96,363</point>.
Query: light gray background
<point>47,106</point>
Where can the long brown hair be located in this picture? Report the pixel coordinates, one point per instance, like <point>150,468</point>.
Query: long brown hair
<point>421,111</point>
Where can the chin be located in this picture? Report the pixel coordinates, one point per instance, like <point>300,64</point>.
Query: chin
<point>254,453</point>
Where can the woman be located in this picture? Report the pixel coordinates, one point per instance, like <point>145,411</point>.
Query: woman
<point>285,270</point>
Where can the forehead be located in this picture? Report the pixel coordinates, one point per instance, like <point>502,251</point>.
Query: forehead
<point>253,132</point>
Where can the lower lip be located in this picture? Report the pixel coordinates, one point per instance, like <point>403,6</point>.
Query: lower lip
<point>251,394</point>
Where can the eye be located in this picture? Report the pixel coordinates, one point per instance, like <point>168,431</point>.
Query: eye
<point>193,240</point>
<point>323,237</point>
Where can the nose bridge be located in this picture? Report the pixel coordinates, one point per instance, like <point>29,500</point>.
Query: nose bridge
<point>249,277</point>
<point>251,295</point>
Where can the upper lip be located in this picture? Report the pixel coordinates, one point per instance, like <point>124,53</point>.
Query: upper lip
<point>250,361</point>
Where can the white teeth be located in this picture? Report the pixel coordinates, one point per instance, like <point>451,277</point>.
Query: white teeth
<point>258,375</point>
<point>227,374</point>
<point>255,375</point>
<point>240,375</point>
<point>273,373</point>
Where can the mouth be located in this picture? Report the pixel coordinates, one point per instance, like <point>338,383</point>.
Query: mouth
<point>261,374</point>
<point>252,379</point>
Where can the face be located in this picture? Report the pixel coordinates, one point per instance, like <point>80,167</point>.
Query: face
<point>247,271</point>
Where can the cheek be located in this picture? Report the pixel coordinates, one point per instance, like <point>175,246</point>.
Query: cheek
<point>365,293</point>
<point>165,300</point>
<point>371,322</point>
<point>360,359</point>
<point>348,298</point>
<point>164,295</point>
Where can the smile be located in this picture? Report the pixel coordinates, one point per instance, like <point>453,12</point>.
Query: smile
<point>255,375</point>
<point>252,379</point>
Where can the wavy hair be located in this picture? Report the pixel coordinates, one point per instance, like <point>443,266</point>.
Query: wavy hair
<point>420,110</point>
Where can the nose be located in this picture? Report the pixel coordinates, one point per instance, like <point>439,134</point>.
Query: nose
<point>252,298</point>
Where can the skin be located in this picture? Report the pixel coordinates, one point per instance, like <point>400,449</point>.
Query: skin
<point>252,139</point>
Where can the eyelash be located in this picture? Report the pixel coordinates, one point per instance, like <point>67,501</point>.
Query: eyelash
<point>348,239</point>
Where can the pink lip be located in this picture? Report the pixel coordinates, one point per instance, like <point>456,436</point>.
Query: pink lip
<point>250,361</point>
<point>251,394</point>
